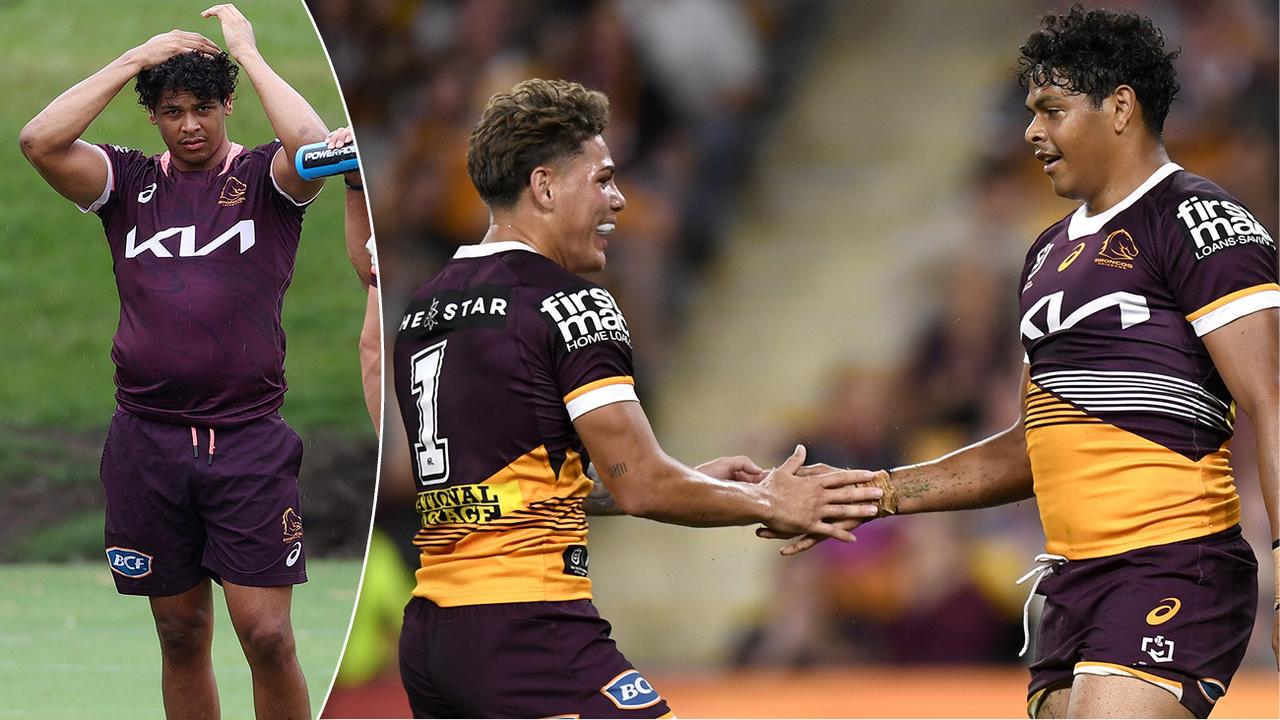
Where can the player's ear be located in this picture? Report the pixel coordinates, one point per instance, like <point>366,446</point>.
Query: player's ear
<point>1126,104</point>
<point>540,182</point>
<point>151,115</point>
<point>226,105</point>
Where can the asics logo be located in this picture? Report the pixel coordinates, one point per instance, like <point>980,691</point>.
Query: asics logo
<point>1164,612</point>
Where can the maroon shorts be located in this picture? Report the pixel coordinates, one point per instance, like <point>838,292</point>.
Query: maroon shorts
<point>1177,616</point>
<point>179,511</point>
<point>518,660</point>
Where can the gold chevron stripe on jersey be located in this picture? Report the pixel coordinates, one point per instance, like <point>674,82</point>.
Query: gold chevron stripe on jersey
<point>503,540</point>
<point>1102,490</point>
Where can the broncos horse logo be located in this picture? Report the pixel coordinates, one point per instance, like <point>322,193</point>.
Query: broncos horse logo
<point>232,192</point>
<point>292,523</point>
<point>1119,245</point>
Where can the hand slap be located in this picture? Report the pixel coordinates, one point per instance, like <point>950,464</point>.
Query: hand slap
<point>809,505</point>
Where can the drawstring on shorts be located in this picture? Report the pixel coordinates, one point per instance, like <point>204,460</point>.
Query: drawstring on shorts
<point>1045,564</point>
<point>195,444</point>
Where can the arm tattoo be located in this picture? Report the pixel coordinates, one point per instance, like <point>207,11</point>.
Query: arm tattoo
<point>599,501</point>
<point>914,488</point>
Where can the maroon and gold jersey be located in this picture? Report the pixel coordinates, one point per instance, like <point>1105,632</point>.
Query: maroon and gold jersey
<point>1128,421</point>
<point>202,260</point>
<point>495,357</point>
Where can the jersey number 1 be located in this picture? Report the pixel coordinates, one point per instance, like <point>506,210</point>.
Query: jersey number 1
<point>430,452</point>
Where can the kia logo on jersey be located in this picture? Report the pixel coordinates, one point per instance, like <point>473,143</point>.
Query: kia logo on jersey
<point>187,241</point>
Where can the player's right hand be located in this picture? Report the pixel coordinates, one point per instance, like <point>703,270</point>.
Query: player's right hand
<point>166,45</point>
<point>815,505</point>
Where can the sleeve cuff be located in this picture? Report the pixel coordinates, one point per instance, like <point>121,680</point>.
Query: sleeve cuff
<point>106,189</point>
<point>271,170</point>
<point>1233,307</point>
<point>598,394</point>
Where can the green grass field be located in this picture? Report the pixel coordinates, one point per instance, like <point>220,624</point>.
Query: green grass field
<point>71,647</point>
<point>57,293</point>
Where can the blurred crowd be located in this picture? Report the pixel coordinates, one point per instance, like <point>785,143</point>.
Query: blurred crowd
<point>686,81</point>
<point>692,84</point>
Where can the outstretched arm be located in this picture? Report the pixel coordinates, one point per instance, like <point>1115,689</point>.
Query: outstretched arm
<point>988,473</point>
<point>738,468</point>
<point>992,472</point>
<point>51,140</point>
<point>290,115</point>
<point>646,482</point>
<point>1245,353</point>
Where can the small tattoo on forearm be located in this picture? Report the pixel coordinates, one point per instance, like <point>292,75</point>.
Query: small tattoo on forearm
<point>617,470</point>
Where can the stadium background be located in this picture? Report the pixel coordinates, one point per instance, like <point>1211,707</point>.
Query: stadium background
<point>829,204</point>
<point>68,642</point>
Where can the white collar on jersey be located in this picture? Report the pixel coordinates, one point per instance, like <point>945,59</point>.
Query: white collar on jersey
<point>1082,225</point>
<point>493,248</point>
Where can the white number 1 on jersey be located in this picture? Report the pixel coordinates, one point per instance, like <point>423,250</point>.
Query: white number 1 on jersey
<point>430,453</point>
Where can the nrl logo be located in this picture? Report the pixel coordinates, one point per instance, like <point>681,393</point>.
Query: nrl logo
<point>1158,648</point>
<point>232,192</point>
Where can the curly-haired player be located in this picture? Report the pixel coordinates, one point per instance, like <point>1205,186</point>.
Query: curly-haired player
<point>199,468</point>
<point>1148,316</point>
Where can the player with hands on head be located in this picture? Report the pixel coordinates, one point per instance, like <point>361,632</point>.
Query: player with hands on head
<point>200,470</point>
<point>514,375</point>
<point>1148,316</point>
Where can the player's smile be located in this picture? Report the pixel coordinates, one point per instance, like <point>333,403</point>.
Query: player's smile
<point>605,228</point>
<point>1050,159</point>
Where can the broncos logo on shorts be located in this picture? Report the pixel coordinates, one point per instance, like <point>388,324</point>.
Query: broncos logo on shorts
<point>292,523</point>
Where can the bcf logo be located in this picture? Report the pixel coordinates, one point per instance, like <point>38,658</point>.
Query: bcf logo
<point>630,691</point>
<point>129,562</point>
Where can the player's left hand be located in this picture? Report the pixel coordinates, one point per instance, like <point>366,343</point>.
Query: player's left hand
<point>738,468</point>
<point>237,32</point>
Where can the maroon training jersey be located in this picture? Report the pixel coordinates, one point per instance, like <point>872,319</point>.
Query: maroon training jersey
<point>202,260</point>
<point>495,356</point>
<point>1128,420</point>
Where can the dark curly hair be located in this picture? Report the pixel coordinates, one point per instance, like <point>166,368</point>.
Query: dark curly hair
<point>207,77</point>
<point>1093,52</point>
<point>538,122</point>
